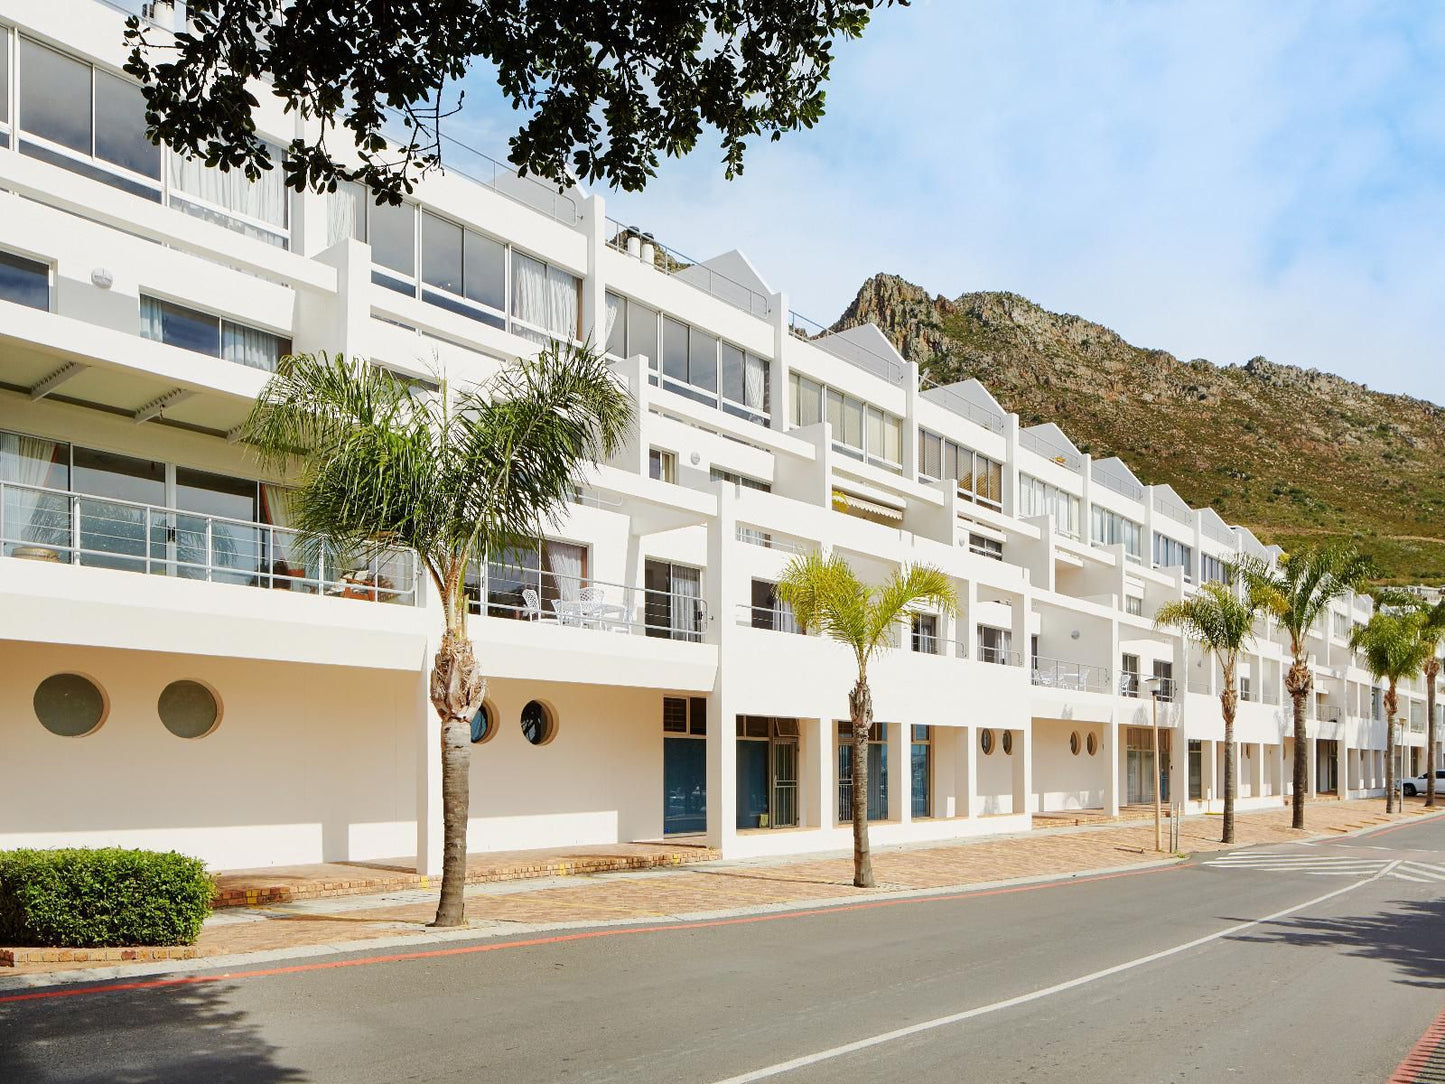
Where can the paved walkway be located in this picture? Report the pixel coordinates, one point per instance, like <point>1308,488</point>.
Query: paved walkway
<point>722,886</point>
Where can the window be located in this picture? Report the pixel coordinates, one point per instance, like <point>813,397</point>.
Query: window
<point>463,271</point>
<point>662,466</point>
<point>1171,554</point>
<point>673,607</point>
<point>877,772</point>
<point>978,477</point>
<point>188,709</point>
<point>1111,529</point>
<point>925,633</point>
<point>767,772</point>
<point>483,728</point>
<point>393,246</point>
<point>1211,569</point>
<point>1129,675</point>
<point>1039,498</point>
<point>1006,743</point>
<point>859,430</point>
<point>538,725</point>
<point>770,612</point>
<point>709,370</point>
<point>24,282</point>
<point>526,582</point>
<point>4,87</point>
<point>719,474</point>
<point>805,400</point>
<point>682,715</point>
<point>985,741</point>
<point>995,645</point>
<point>1134,604</point>
<point>744,378</point>
<point>1074,744</point>
<point>69,705</point>
<point>1342,626</point>
<point>921,763</point>
<point>346,212</point>
<point>546,301</point>
<point>1091,743</point>
<point>991,548</point>
<point>1164,671</point>
<point>632,330</point>
<point>257,209</point>
<point>175,325</point>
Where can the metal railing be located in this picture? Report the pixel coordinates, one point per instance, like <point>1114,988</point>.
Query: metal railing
<point>952,400</point>
<point>1123,486</point>
<point>855,354</point>
<point>1132,684</point>
<point>59,526</point>
<point>631,241</point>
<point>1330,713</point>
<point>1175,509</point>
<point>755,536</point>
<point>1199,685</point>
<point>1070,676</point>
<point>518,593</point>
<point>775,618</point>
<point>999,656</point>
<point>1052,450</point>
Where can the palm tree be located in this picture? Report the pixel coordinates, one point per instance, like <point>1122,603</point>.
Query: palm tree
<point>1394,651</point>
<point>1432,634</point>
<point>451,476</point>
<point>827,595</point>
<point>1296,591</point>
<point>1222,622</point>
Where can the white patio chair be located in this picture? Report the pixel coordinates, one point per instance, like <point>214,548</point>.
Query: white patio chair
<point>532,606</point>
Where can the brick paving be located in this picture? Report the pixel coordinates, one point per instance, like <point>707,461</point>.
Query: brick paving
<point>719,886</point>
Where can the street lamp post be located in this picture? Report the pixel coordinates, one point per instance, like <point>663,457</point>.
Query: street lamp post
<point>1153,683</point>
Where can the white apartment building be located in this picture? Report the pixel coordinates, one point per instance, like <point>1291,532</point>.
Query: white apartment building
<point>176,673</point>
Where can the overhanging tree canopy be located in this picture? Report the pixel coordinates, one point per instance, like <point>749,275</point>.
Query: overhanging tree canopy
<point>603,88</point>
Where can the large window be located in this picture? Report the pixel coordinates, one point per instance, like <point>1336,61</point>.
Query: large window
<point>674,607</point>
<point>1169,553</point>
<point>691,362</point>
<point>258,209</point>
<point>1111,529</point>
<point>25,282</point>
<point>768,611</point>
<point>859,429</point>
<point>546,301</point>
<point>463,271</point>
<point>537,582</point>
<point>1212,569</point>
<point>767,772</point>
<point>922,770</point>
<point>206,333</point>
<point>718,474</point>
<point>995,645</point>
<point>877,772</point>
<point>979,478</point>
<point>1039,498</point>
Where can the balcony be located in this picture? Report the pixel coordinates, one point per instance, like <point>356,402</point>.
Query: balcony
<point>1329,713</point>
<point>575,600</point>
<point>630,241</point>
<point>62,527</point>
<point>1131,682</point>
<point>1071,676</point>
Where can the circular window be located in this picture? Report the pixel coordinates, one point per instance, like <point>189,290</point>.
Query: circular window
<point>482,728</point>
<point>70,705</point>
<point>1074,743</point>
<point>1008,743</point>
<point>1092,744</point>
<point>985,741</point>
<point>538,726</point>
<point>188,709</point>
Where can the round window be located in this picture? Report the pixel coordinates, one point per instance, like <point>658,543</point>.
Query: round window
<point>985,741</point>
<point>1074,743</point>
<point>188,709</point>
<point>69,705</point>
<point>482,728</point>
<point>1092,744</point>
<point>538,726</point>
<point>1008,743</point>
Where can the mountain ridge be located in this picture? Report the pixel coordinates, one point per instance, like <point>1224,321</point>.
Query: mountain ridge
<point>1274,447</point>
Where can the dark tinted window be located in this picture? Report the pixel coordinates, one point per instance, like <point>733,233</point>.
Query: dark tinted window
<point>179,326</point>
<point>120,127</point>
<point>24,282</point>
<point>55,96</point>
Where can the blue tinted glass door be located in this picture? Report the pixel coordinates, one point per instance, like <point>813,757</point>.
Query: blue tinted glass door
<point>684,781</point>
<point>752,784</point>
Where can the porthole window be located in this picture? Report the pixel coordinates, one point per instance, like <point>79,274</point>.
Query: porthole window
<point>1008,743</point>
<point>70,705</point>
<point>1092,744</point>
<point>538,726</point>
<point>482,726</point>
<point>1074,743</point>
<point>188,709</point>
<point>985,741</point>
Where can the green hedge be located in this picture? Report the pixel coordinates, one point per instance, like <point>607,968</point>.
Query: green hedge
<point>104,897</point>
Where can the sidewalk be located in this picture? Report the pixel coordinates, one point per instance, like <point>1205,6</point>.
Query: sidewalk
<point>668,893</point>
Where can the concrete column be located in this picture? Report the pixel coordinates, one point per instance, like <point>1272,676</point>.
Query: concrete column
<point>1023,770</point>
<point>1209,771</point>
<point>594,285</point>
<point>946,777</point>
<point>778,394</point>
<point>968,620</point>
<point>428,773</point>
<point>900,778</point>
<point>1109,759</point>
<point>722,595</point>
<point>815,773</point>
<point>1309,752</point>
<point>967,768</point>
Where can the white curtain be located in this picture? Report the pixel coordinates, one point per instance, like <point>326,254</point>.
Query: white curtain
<point>529,290</point>
<point>249,346</point>
<point>287,557</point>
<point>150,319</point>
<point>31,518</point>
<point>616,337</point>
<point>262,201</point>
<point>755,382</point>
<point>564,562</point>
<point>346,213</point>
<point>686,603</point>
<point>563,294</point>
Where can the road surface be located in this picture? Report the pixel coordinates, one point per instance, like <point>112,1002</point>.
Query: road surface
<point>1322,962</point>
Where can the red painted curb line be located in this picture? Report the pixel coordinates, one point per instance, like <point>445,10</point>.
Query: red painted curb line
<point>1419,1055</point>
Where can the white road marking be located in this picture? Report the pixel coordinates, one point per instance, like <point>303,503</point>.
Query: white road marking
<point>1023,999</point>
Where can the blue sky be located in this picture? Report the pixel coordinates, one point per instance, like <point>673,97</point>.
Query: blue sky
<point>1217,179</point>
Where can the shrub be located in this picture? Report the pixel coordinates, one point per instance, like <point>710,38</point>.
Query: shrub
<point>103,897</point>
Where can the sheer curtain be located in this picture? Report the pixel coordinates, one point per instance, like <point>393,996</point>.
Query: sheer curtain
<point>31,518</point>
<point>755,382</point>
<point>263,201</point>
<point>565,562</point>
<point>686,603</point>
<point>150,319</point>
<point>287,557</point>
<point>529,292</point>
<point>250,346</point>
<point>563,295</point>
<point>616,337</point>
<point>346,213</point>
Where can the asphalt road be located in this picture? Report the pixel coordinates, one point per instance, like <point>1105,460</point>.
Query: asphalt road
<point>1287,963</point>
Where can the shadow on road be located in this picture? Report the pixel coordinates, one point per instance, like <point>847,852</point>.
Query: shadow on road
<point>180,1033</point>
<point>1409,938</point>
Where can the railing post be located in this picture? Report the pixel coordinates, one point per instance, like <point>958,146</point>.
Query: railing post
<point>74,529</point>
<point>210,554</point>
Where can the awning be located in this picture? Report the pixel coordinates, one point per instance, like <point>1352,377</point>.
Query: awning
<point>860,506</point>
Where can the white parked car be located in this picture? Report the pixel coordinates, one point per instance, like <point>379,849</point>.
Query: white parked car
<point>1415,786</point>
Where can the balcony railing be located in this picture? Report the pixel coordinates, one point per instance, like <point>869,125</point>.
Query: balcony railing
<point>1199,685</point>
<point>1051,449</point>
<point>776,618</point>
<point>869,360</point>
<point>999,656</point>
<point>1135,685</point>
<point>1330,713</point>
<point>1071,676</point>
<point>58,526</point>
<point>950,399</point>
<point>579,601</point>
<point>630,241</point>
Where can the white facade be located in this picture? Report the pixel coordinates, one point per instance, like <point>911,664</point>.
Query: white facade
<point>141,301</point>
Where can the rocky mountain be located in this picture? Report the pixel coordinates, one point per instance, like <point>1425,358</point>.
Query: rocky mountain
<point>1296,455</point>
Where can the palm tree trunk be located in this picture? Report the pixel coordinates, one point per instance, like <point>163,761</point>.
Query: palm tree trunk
<point>456,693</point>
<point>1229,703</point>
<point>1298,684</point>
<point>860,707</point>
<point>1432,671</point>
<point>1390,705</point>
